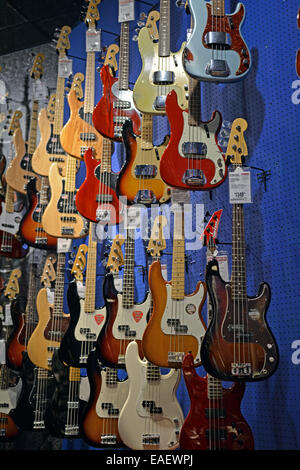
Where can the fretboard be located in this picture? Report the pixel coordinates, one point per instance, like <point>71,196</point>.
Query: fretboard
<point>59,106</point>
<point>218,8</point>
<point>146,133</point>
<point>44,195</point>
<point>74,374</point>
<point>124,57</point>
<point>59,290</point>
<point>9,199</point>
<point>164,29</point>
<point>89,91</point>
<point>30,305</point>
<point>107,150</point>
<point>238,274</point>
<point>178,261</point>
<point>90,282</point>
<point>128,279</point>
<point>194,115</point>
<point>33,127</point>
<point>70,178</point>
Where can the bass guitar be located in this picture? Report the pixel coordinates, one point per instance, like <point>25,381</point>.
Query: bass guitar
<point>162,70</point>
<point>238,344</point>
<point>116,104</point>
<point>193,158</point>
<point>216,50</point>
<point>50,120</point>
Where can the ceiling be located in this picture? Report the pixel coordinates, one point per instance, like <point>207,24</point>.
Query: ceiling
<point>28,23</point>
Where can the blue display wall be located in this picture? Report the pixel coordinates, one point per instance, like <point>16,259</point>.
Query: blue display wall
<point>268,98</point>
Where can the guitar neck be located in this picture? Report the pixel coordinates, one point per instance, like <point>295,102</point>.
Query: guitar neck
<point>146,132</point>
<point>74,374</point>
<point>218,8</point>
<point>238,274</point>
<point>30,305</point>
<point>33,127</point>
<point>89,91</point>
<point>164,29</point>
<point>107,150</point>
<point>70,178</point>
<point>194,115</point>
<point>44,198</point>
<point>9,199</point>
<point>128,279</point>
<point>178,263</point>
<point>90,283</point>
<point>124,57</point>
<point>59,289</point>
<point>59,106</point>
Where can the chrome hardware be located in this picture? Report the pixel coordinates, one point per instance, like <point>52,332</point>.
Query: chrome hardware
<point>161,77</point>
<point>194,177</point>
<point>159,103</point>
<point>217,38</point>
<point>217,68</point>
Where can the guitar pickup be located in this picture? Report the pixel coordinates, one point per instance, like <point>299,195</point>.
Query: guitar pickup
<point>121,105</point>
<point>163,77</point>
<point>84,149</point>
<point>108,439</point>
<point>150,439</point>
<point>104,198</point>
<point>71,429</point>
<point>87,136</point>
<point>215,434</point>
<point>67,231</point>
<point>145,171</point>
<point>194,149</point>
<point>175,358</point>
<point>68,218</point>
<point>127,331</point>
<point>120,119</point>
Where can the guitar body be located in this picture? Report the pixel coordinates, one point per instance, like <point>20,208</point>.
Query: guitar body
<point>160,336</point>
<point>16,341</point>
<point>99,425</point>
<point>31,228</point>
<point>64,405</point>
<point>55,220</point>
<point>192,172</point>
<point>145,190</point>
<point>204,58</point>
<point>8,401</point>
<point>10,221</point>
<point>20,170</point>
<point>74,133</point>
<point>200,431</point>
<point>75,345</point>
<point>114,108</point>
<point>249,341</point>
<point>95,190</point>
<point>112,342</point>
<point>11,247</point>
<point>49,149</point>
<point>40,345</point>
<point>145,91</point>
<point>160,430</point>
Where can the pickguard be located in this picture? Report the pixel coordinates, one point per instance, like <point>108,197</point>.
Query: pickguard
<point>91,322</point>
<point>134,319</point>
<point>10,222</point>
<point>113,396</point>
<point>9,397</point>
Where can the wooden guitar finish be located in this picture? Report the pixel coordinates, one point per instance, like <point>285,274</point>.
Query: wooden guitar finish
<point>155,343</point>
<point>101,431</point>
<point>109,348</point>
<point>185,167</point>
<point>247,341</point>
<point>31,228</point>
<point>214,421</point>
<point>98,187</point>
<point>8,428</point>
<point>15,343</point>
<point>140,153</point>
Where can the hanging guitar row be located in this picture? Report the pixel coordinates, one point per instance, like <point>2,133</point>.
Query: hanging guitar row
<point>58,226</point>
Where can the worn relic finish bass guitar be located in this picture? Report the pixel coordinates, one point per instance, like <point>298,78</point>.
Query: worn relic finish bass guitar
<point>238,344</point>
<point>162,70</point>
<point>216,50</point>
<point>78,133</point>
<point>193,158</point>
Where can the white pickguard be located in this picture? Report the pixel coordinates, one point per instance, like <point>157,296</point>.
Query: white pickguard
<point>93,321</point>
<point>126,316</point>
<point>178,309</point>
<point>9,397</point>
<point>124,95</point>
<point>203,55</point>
<point>198,134</point>
<point>116,395</point>
<point>134,421</point>
<point>10,221</point>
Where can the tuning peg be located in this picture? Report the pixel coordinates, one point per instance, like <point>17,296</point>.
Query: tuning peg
<point>135,37</point>
<point>143,16</point>
<point>140,24</point>
<point>180,3</point>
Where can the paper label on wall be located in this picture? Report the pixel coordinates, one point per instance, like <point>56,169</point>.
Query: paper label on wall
<point>39,90</point>
<point>164,271</point>
<point>126,10</point>
<point>118,283</point>
<point>240,186</point>
<point>64,245</point>
<point>8,320</point>
<point>222,259</point>
<point>180,196</point>
<point>93,40</point>
<point>50,296</point>
<point>64,67</point>
<point>80,289</point>
<point>2,352</point>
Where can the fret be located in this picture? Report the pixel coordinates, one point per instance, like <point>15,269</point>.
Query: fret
<point>59,106</point>
<point>218,8</point>
<point>33,127</point>
<point>107,150</point>
<point>74,374</point>
<point>178,262</point>
<point>89,90</point>
<point>164,29</point>
<point>44,196</point>
<point>194,115</point>
<point>59,287</point>
<point>9,199</point>
<point>146,132</point>
<point>70,178</point>
<point>124,57</point>
<point>90,283</point>
<point>238,276</point>
<point>128,279</point>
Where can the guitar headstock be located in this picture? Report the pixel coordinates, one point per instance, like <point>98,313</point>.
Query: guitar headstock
<point>110,58</point>
<point>49,274</point>
<point>79,262</point>
<point>63,43</point>
<point>237,147</point>
<point>77,85</point>
<point>115,258</point>
<point>37,68</point>
<point>15,122</point>
<point>209,234</point>
<point>51,107</point>
<point>92,14</point>
<point>151,24</point>
<point>157,242</point>
<point>12,288</point>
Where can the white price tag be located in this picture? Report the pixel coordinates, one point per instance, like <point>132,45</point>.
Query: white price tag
<point>35,255</point>
<point>240,186</point>
<point>80,289</point>
<point>222,259</point>
<point>164,271</point>
<point>64,67</point>
<point>8,320</point>
<point>50,296</point>
<point>64,245</point>
<point>126,10</point>
<point>180,196</point>
<point>93,41</point>
<point>118,283</point>
<point>2,352</point>
<point>40,90</point>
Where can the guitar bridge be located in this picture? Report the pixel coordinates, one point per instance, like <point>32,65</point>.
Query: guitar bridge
<point>175,358</point>
<point>217,68</point>
<point>194,177</point>
<point>145,196</point>
<point>241,369</point>
<point>108,439</point>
